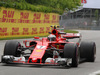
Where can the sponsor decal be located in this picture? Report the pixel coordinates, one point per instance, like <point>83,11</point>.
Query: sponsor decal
<point>54,18</point>
<point>8,14</point>
<point>41,47</point>
<point>47,29</point>
<point>25,31</point>
<point>37,18</point>
<point>15,31</point>
<point>41,30</point>
<point>46,18</point>
<point>39,50</point>
<point>3,32</point>
<point>84,1</point>
<point>24,15</point>
<point>34,31</point>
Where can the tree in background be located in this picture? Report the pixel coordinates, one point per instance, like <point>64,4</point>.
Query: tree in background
<point>57,4</point>
<point>47,6</point>
<point>97,17</point>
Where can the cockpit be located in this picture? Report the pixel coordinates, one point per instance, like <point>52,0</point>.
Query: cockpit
<point>51,37</point>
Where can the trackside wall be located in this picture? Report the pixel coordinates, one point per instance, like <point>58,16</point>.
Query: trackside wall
<point>23,23</point>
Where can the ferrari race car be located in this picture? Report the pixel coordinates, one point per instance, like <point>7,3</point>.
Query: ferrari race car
<point>56,49</point>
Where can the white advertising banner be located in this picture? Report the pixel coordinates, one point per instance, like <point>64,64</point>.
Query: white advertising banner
<point>91,4</point>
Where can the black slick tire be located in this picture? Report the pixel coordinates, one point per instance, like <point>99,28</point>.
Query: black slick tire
<point>88,51</point>
<point>71,51</point>
<point>11,48</point>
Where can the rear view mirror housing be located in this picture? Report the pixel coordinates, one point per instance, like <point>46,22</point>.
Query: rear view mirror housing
<point>36,37</point>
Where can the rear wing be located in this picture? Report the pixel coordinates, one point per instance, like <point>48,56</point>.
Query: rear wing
<point>71,35</point>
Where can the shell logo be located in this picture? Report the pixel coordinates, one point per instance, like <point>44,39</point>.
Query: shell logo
<point>39,50</point>
<point>84,1</point>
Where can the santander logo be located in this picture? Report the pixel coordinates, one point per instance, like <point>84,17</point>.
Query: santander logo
<point>84,1</point>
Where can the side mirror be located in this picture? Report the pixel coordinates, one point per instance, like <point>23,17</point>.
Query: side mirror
<point>63,38</point>
<point>36,37</point>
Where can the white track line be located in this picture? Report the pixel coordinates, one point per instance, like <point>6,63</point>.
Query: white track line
<point>95,73</point>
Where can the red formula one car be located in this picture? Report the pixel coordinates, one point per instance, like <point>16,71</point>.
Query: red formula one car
<point>55,49</point>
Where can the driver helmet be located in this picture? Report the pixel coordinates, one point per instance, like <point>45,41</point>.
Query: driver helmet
<point>52,37</point>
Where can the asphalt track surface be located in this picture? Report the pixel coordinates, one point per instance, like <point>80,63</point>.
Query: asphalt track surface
<point>83,69</point>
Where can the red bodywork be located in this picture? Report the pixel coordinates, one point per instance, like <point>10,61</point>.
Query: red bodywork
<point>43,44</point>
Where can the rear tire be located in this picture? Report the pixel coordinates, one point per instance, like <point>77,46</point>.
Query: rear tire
<point>88,51</point>
<point>71,51</point>
<point>11,48</point>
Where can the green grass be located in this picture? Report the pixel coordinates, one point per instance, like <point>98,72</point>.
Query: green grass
<point>70,31</point>
<point>10,38</point>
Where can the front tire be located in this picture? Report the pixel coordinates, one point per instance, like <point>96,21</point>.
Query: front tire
<point>71,51</point>
<point>11,48</point>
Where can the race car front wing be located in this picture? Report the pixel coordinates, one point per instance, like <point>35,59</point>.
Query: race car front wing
<point>48,61</point>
